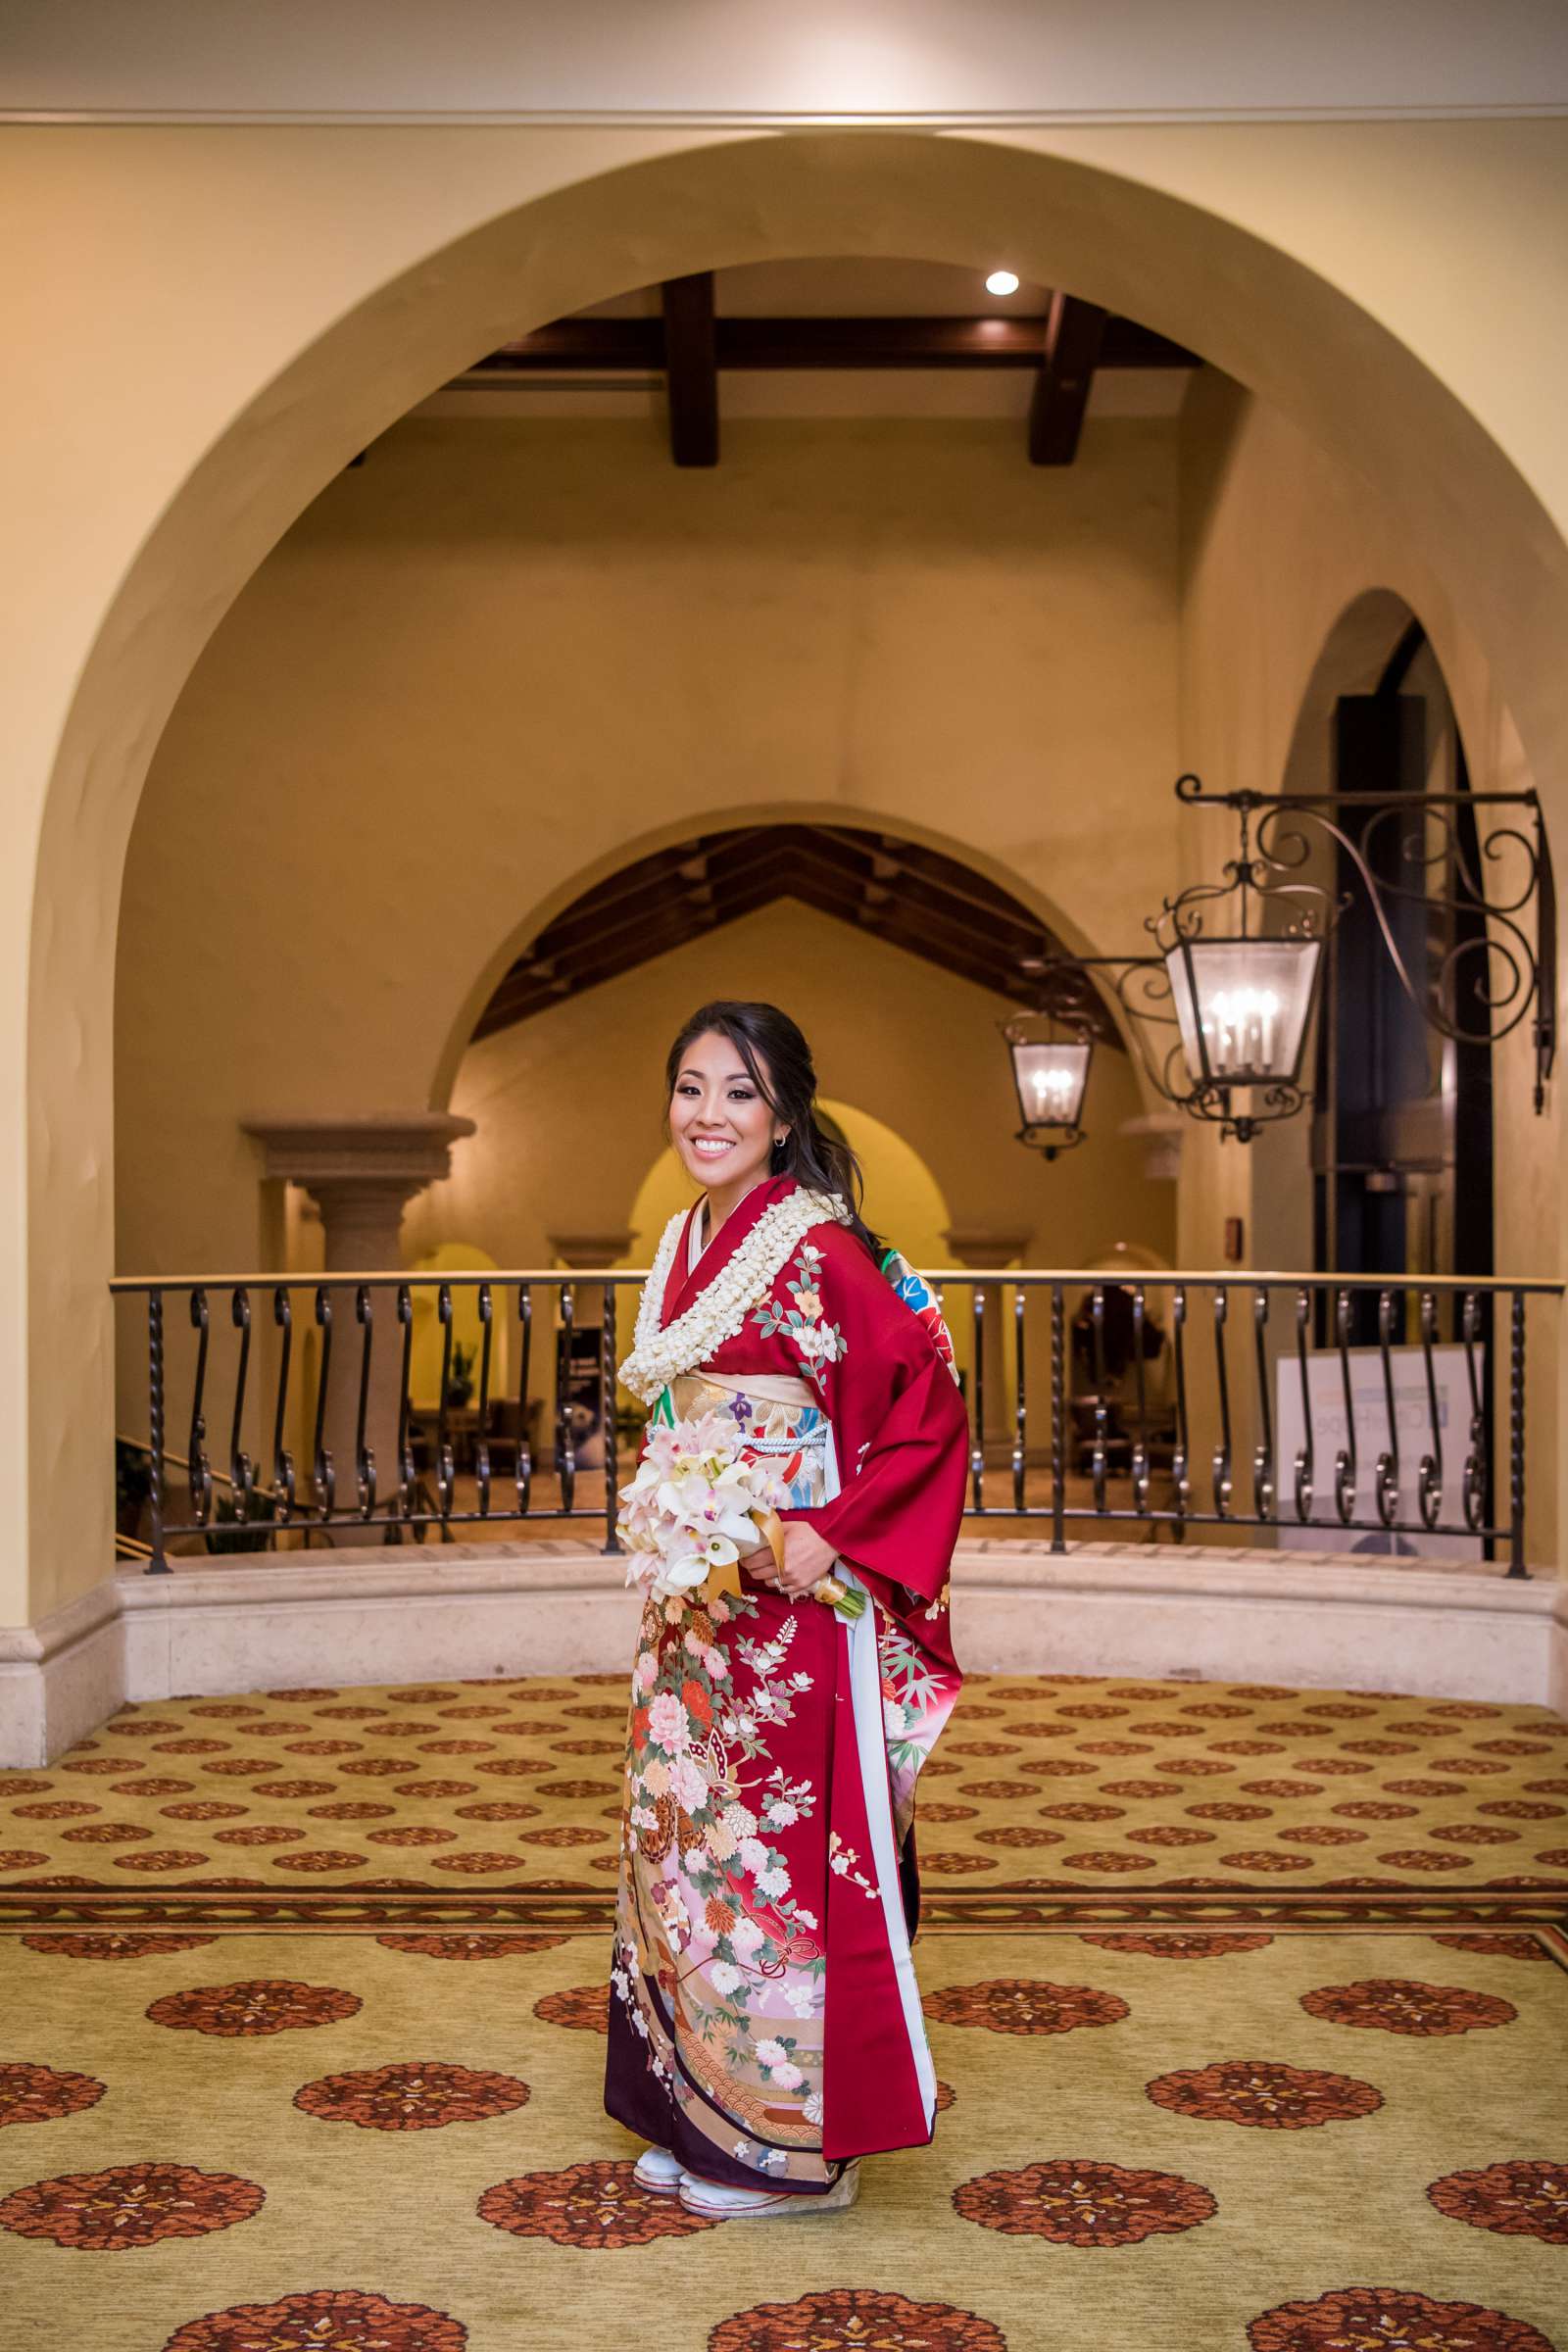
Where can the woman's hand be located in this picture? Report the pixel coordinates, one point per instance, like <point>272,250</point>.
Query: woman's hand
<point>806,1559</point>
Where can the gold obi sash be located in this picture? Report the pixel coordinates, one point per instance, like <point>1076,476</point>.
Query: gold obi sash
<point>788,1425</point>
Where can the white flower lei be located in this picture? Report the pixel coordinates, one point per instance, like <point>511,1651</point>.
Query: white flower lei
<point>721,1307</point>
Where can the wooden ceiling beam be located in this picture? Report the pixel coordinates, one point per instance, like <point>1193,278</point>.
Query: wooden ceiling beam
<point>691,368</point>
<point>612,346</point>
<point>578,931</point>
<point>911,898</point>
<point>912,895</point>
<point>619,898</point>
<point>602,945</point>
<point>1075,336</point>
<point>782,858</point>
<point>953,945</point>
<point>973,896</point>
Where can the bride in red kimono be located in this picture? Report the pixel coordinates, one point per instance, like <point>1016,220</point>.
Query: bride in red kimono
<point>766,2028</point>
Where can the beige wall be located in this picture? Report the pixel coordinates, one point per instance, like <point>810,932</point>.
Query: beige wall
<point>210,323</point>
<point>501,654</point>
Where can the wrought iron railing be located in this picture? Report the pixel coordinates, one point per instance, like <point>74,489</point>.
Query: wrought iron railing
<point>1339,1411</point>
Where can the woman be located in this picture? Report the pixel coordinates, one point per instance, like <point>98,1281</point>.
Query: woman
<point>765,2023</point>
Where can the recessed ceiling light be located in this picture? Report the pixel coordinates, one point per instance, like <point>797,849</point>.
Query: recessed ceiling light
<point>1002,281</point>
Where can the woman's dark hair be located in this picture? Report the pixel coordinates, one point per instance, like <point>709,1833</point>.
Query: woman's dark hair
<point>778,1062</point>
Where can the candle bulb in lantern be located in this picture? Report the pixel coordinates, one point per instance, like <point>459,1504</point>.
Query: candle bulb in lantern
<point>1049,1074</point>
<point>1243,1006</point>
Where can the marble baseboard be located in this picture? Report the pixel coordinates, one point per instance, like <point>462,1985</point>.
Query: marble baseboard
<point>1557,1664</point>
<point>59,1680</point>
<point>1311,1620</point>
<point>363,1617</point>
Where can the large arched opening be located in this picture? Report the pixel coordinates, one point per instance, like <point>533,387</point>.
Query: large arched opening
<point>1254,306</point>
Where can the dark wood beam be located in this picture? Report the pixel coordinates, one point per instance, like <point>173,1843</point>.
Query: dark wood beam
<point>691,368</point>
<point>656,905</point>
<point>659,911</point>
<point>944,920</point>
<point>908,895</point>
<point>930,878</point>
<point>610,346</point>
<point>1075,336</point>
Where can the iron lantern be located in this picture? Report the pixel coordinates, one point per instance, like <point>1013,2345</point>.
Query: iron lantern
<point>1050,1060</point>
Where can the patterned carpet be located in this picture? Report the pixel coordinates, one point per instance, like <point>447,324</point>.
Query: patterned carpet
<point>1289,2142</point>
<point>1078,1781</point>
<point>304,2007</point>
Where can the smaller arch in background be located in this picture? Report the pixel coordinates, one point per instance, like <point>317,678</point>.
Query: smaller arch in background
<point>645,848</point>
<point>1402,1176</point>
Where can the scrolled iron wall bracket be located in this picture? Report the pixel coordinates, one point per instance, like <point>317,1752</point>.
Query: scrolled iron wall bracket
<point>1512,976</point>
<point>1507,966</point>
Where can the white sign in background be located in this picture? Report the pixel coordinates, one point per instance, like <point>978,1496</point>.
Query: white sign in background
<point>1412,1413</point>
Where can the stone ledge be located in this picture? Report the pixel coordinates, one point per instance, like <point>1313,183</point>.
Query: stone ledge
<point>375,1615</point>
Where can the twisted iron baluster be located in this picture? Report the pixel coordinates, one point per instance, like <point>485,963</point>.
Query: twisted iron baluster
<point>607,1418</point>
<point>1222,1453</point>
<point>1263,1450</point>
<point>977,1435</point>
<point>1140,1441</point>
<point>565,1437</point>
<point>1474,1475</point>
<point>324,1476</point>
<point>1058,1419</point>
<point>446,1473</point>
<point>158,1563</point>
<point>363,1452</point>
<point>1305,1464</point>
<point>523,1468</point>
<point>1181,1480</point>
<point>200,1472</point>
<point>1020,1409</point>
<point>408,1471</point>
<point>1516,1437</point>
<point>1429,1477</point>
<point>1345,1461</point>
<point>481,1425</point>
<point>284,1492</point>
<point>241,1469</point>
<point>1386,1477</point>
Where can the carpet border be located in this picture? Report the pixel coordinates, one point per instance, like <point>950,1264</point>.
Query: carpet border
<point>573,1910</point>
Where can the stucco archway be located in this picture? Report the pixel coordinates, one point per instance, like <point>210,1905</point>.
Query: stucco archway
<point>1057,918</point>
<point>441,286</point>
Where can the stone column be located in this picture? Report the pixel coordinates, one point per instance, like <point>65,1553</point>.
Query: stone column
<point>361,1173</point>
<point>990,1245</point>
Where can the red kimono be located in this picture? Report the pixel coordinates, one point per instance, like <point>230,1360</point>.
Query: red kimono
<point>765,2024</point>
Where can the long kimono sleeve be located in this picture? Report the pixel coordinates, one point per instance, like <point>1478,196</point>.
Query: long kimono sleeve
<point>899,1425</point>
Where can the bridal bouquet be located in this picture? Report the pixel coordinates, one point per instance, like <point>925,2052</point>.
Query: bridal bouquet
<point>695,1506</point>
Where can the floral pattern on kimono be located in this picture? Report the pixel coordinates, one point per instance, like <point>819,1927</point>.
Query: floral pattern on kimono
<point>762,2021</point>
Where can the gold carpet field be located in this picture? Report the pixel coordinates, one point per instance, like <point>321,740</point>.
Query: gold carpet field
<point>1249,2007</point>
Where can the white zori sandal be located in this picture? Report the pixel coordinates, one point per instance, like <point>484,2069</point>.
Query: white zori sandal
<point>658,2172</point>
<point>717,2204</point>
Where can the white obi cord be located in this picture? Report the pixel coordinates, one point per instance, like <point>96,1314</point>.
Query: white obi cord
<point>865,1692</point>
<point>865,1697</point>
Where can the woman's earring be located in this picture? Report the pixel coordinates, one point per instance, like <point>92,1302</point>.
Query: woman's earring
<point>779,1142</point>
